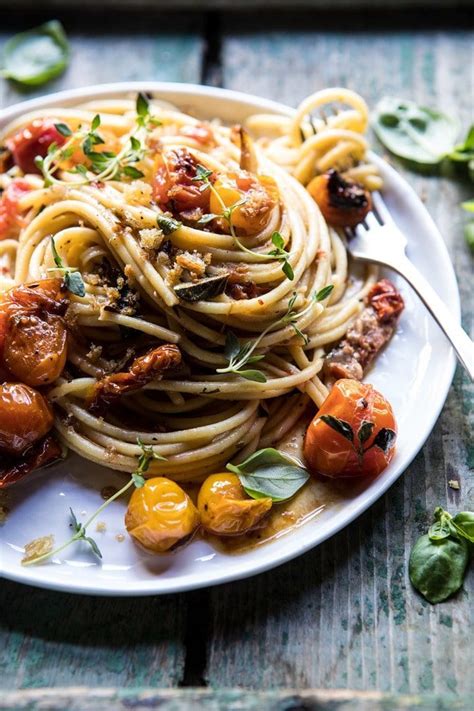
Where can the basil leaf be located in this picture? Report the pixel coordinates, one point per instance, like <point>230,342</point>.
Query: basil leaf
<point>255,375</point>
<point>74,283</point>
<point>168,224</point>
<point>464,152</point>
<point>340,426</point>
<point>384,439</point>
<point>436,568</point>
<point>464,523</point>
<point>268,472</point>
<point>365,431</point>
<point>36,56</point>
<point>439,530</point>
<point>413,132</point>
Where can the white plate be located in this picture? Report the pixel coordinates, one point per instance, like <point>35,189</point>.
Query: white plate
<point>414,372</point>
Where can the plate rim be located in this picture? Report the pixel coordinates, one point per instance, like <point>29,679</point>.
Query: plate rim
<point>185,582</point>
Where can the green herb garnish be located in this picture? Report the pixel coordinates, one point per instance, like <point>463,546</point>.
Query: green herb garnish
<point>384,439</point>
<point>72,277</point>
<point>271,473</point>
<point>239,356</point>
<point>80,530</point>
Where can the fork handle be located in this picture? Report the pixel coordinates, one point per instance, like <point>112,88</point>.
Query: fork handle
<point>460,341</point>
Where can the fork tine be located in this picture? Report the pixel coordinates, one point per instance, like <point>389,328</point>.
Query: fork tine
<point>380,209</point>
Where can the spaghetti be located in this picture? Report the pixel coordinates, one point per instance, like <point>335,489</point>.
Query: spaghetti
<point>244,266</point>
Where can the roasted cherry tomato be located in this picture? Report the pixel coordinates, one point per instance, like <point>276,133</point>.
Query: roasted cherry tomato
<point>259,195</point>
<point>33,334</point>
<point>225,508</point>
<point>35,347</point>
<point>25,417</point>
<point>33,140</point>
<point>353,433</point>
<point>175,182</point>
<point>160,515</point>
<point>342,202</point>
<point>10,216</point>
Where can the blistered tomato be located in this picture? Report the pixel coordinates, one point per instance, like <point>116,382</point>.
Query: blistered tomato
<point>225,508</point>
<point>160,515</point>
<point>25,417</point>
<point>353,433</point>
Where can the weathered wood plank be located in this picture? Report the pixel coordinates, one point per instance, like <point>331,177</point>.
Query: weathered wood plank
<point>77,699</point>
<point>158,47</point>
<point>345,614</point>
<point>51,639</point>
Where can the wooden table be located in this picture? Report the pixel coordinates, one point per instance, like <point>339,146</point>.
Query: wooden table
<point>343,616</point>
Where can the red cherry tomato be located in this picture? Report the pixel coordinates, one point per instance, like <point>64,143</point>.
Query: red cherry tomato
<point>9,215</point>
<point>175,182</point>
<point>33,140</point>
<point>353,433</point>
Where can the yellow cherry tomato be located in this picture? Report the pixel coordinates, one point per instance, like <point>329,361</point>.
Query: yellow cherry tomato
<point>259,193</point>
<point>160,515</point>
<point>225,508</point>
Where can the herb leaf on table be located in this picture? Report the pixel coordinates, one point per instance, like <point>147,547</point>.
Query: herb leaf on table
<point>37,56</point>
<point>439,558</point>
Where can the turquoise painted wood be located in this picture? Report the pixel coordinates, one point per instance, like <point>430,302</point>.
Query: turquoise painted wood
<point>344,615</point>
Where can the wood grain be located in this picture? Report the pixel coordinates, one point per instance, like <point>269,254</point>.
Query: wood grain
<point>343,615</point>
<point>84,699</point>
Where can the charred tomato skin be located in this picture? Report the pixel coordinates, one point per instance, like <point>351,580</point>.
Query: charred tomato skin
<point>328,453</point>
<point>343,203</point>
<point>25,417</point>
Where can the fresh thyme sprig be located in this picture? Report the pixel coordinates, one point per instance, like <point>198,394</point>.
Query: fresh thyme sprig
<point>101,165</point>
<point>240,356</point>
<point>203,175</point>
<point>80,529</point>
<point>72,277</point>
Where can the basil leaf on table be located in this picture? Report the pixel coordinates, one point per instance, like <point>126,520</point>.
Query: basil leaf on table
<point>464,524</point>
<point>413,132</point>
<point>36,56</point>
<point>437,567</point>
<point>270,473</point>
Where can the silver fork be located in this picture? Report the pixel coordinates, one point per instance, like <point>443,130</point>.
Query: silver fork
<point>379,240</point>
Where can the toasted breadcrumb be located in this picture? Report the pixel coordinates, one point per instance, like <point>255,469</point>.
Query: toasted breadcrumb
<point>151,238</point>
<point>37,547</point>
